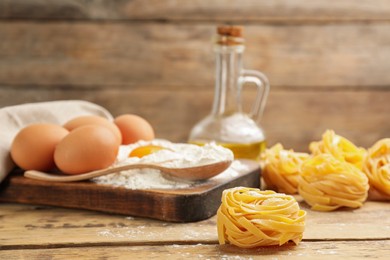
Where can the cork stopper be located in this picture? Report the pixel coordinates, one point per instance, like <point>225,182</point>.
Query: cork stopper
<point>234,31</point>
<point>229,35</point>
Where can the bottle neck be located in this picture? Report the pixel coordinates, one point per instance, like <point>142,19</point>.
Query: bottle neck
<point>228,70</point>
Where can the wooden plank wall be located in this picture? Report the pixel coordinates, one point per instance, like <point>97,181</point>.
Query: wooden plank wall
<point>328,62</point>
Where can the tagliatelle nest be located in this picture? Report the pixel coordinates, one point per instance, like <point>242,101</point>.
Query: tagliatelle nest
<point>339,147</point>
<point>281,169</point>
<point>377,168</point>
<point>327,183</point>
<point>251,218</point>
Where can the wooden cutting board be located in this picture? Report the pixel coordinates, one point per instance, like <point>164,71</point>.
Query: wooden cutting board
<point>176,205</point>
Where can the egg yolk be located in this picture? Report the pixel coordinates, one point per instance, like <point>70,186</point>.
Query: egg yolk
<point>145,150</point>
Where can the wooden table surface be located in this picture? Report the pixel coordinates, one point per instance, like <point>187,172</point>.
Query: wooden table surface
<point>41,232</point>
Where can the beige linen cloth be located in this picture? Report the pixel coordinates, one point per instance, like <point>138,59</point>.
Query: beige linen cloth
<point>13,118</point>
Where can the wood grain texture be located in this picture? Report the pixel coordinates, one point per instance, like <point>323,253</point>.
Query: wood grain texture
<point>197,202</point>
<point>348,224</point>
<point>27,226</point>
<point>322,75</point>
<point>203,10</point>
<point>306,250</point>
<point>142,56</point>
<point>293,118</point>
<point>327,62</point>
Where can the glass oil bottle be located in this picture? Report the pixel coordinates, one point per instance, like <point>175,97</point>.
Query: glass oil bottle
<point>227,124</point>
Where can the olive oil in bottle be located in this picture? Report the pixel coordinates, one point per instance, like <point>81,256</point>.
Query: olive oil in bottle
<point>243,151</point>
<point>228,125</point>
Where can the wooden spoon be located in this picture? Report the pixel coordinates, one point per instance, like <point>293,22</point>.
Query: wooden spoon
<point>194,173</point>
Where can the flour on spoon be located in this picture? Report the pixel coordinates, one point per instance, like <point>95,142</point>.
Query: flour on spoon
<point>175,155</point>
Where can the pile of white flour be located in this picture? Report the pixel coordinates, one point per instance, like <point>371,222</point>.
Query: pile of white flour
<point>176,156</point>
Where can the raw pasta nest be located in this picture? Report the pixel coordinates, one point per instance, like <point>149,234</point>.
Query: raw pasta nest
<point>377,167</point>
<point>281,169</point>
<point>327,183</point>
<point>339,147</point>
<point>251,218</point>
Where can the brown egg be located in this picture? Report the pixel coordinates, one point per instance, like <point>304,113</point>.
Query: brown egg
<point>87,148</point>
<point>33,147</point>
<point>134,128</point>
<point>93,120</point>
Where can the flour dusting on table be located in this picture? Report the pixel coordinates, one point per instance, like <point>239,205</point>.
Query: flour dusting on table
<point>176,156</point>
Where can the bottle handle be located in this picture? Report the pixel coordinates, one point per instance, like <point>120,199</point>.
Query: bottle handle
<point>261,82</point>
